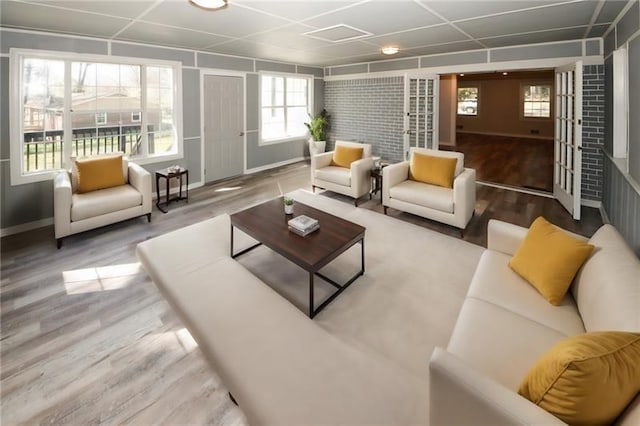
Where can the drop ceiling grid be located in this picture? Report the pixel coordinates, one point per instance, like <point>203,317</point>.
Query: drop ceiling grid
<point>266,28</point>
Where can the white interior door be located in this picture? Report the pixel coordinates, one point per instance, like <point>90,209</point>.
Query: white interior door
<point>567,169</point>
<point>223,102</point>
<point>421,95</point>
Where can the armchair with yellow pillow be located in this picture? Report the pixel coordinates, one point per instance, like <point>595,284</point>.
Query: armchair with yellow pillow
<point>99,191</point>
<point>345,170</point>
<point>549,333</point>
<point>432,184</point>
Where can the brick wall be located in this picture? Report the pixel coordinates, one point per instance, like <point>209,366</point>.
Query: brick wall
<point>592,131</point>
<point>367,110</point>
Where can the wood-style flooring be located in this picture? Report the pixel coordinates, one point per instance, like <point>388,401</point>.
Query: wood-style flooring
<point>86,338</point>
<point>520,162</point>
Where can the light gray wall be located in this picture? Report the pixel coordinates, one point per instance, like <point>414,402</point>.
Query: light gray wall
<point>621,199</point>
<point>26,203</point>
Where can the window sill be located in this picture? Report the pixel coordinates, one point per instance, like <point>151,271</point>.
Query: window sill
<point>263,142</point>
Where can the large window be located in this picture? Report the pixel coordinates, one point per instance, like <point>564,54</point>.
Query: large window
<point>285,103</point>
<point>467,101</point>
<point>536,100</point>
<point>77,106</point>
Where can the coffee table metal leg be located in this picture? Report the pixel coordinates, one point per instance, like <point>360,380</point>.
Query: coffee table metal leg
<point>311,310</point>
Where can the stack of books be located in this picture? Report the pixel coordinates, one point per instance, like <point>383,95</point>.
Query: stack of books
<point>303,225</point>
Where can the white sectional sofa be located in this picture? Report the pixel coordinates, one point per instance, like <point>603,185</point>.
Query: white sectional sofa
<point>284,368</point>
<point>505,325</point>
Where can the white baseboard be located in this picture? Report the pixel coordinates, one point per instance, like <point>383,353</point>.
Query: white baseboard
<point>591,203</point>
<point>274,165</point>
<point>24,227</point>
<point>510,135</point>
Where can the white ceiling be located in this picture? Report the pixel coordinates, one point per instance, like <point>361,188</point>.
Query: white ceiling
<point>275,30</point>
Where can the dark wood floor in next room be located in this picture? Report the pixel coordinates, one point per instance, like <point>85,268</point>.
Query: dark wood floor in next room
<point>520,162</point>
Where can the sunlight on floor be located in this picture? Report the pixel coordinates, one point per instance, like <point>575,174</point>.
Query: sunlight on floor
<point>185,340</point>
<point>101,278</point>
<point>229,188</point>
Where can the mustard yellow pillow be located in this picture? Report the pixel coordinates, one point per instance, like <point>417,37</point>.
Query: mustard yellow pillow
<point>343,156</point>
<point>586,379</point>
<point>433,170</point>
<point>99,173</point>
<point>548,258</point>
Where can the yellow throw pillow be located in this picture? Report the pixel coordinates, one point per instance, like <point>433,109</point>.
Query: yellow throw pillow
<point>433,170</point>
<point>343,156</point>
<point>586,379</point>
<point>99,173</point>
<point>548,258</point>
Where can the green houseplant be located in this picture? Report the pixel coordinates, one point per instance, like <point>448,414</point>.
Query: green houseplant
<point>317,126</point>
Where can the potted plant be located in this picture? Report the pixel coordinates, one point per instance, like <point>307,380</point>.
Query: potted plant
<point>288,205</point>
<point>317,126</point>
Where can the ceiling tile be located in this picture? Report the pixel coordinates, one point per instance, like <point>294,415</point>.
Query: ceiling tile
<point>379,17</point>
<point>290,37</point>
<point>422,37</point>
<point>125,9</point>
<point>540,37</point>
<point>350,48</point>
<point>168,36</point>
<point>598,30</point>
<point>610,11</point>
<point>555,17</point>
<point>296,10</point>
<point>35,16</point>
<point>455,10</point>
<point>444,48</point>
<point>231,21</point>
<point>252,49</point>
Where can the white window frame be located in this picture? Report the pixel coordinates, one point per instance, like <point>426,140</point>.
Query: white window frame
<point>621,106</point>
<point>523,87</point>
<point>470,86</point>
<point>101,118</point>
<point>16,57</point>
<point>310,90</point>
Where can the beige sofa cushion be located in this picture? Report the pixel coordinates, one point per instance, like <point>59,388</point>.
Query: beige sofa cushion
<point>103,201</point>
<point>334,174</point>
<point>499,343</point>
<point>496,283</point>
<point>423,194</point>
<point>607,288</point>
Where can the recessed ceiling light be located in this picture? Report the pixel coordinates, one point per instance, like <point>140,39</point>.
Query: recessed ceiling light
<point>210,4</point>
<point>390,50</point>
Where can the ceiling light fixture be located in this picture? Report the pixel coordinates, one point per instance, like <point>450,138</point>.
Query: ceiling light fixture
<point>210,4</point>
<point>505,73</point>
<point>461,74</point>
<point>390,50</point>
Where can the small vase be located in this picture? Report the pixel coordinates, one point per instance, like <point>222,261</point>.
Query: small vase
<point>288,209</point>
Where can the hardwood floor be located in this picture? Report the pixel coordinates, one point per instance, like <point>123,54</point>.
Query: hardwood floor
<point>86,338</point>
<point>519,162</point>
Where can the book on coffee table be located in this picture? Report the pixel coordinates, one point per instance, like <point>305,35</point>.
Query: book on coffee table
<point>306,232</point>
<point>303,224</point>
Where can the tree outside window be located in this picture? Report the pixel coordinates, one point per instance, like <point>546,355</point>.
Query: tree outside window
<point>467,101</point>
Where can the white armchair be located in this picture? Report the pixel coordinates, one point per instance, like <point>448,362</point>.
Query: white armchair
<point>453,206</point>
<point>354,182</point>
<point>78,212</point>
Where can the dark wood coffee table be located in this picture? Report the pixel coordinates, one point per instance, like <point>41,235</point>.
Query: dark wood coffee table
<point>267,223</point>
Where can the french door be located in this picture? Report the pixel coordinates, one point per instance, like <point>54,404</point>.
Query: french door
<point>567,168</point>
<point>421,95</point>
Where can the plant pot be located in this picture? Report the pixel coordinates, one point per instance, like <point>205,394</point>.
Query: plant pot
<point>316,147</point>
<point>288,209</point>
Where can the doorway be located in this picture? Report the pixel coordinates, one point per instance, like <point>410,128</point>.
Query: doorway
<point>504,124</point>
<point>223,126</point>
